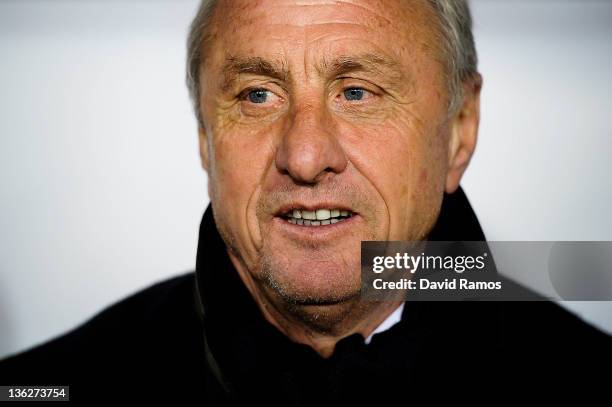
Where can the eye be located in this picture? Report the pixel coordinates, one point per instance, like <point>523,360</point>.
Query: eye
<point>257,95</point>
<point>354,93</point>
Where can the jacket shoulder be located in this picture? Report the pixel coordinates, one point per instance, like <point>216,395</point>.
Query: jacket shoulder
<point>121,333</point>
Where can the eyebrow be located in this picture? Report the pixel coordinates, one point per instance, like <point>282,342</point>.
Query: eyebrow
<point>235,66</point>
<point>369,62</point>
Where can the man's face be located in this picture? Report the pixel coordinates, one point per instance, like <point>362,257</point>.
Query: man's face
<point>322,107</point>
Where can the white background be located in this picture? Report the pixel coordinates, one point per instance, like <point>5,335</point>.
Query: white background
<point>101,187</point>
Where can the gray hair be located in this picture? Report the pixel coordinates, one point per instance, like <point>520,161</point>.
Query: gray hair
<point>455,30</point>
<point>459,50</point>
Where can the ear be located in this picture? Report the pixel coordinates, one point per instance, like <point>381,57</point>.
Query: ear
<point>203,140</point>
<point>464,133</point>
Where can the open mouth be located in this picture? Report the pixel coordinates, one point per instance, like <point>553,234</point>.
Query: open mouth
<point>319,217</point>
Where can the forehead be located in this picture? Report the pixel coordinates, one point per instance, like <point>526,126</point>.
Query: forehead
<point>301,13</point>
<point>312,30</point>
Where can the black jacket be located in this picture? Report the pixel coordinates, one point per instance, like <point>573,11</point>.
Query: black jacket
<point>158,345</point>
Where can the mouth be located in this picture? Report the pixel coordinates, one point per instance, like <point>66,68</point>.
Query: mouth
<point>316,217</point>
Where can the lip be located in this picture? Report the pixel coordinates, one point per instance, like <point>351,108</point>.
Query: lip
<point>316,233</point>
<point>312,207</point>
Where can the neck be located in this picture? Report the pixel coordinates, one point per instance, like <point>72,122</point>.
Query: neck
<point>318,326</point>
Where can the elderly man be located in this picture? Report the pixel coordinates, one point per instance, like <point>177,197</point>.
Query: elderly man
<point>322,124</point>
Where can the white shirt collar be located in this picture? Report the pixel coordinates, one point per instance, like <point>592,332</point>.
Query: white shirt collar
<point>391,320</point>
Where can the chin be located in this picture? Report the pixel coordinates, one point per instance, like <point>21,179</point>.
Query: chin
<point>313,282</point>
<point>326,319</point>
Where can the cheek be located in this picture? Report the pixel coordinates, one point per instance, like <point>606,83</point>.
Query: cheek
<point>239,163</point>
<point>402,161</point>
<point>231,179</point>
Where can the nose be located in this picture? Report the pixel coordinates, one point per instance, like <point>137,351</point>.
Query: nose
<point>310,149</point>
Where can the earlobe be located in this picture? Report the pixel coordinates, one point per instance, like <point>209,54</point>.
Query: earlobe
<point>464,134</point>
<point>203,141</point>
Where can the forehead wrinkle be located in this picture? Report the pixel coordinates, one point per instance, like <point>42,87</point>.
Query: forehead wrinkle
<point>335,4</point>
<point>366,9</point>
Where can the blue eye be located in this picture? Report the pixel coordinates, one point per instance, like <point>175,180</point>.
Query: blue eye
<point>258,95</point>
<point>353,94</point>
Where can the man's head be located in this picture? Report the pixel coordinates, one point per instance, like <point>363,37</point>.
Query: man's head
<point>319,108</point>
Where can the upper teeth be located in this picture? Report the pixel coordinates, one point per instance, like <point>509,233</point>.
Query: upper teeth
<point>319,214</point>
